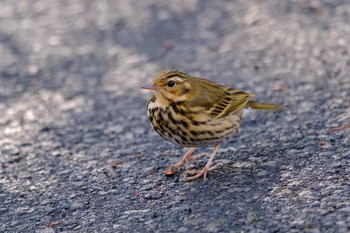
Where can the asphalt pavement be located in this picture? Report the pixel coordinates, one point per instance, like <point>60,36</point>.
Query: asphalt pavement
<point>77,153</point>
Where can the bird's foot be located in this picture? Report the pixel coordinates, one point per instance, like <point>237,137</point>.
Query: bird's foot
<point>195,157</point>
<point>203,172</point>
<point>187,157</point>
<point>171,170</point>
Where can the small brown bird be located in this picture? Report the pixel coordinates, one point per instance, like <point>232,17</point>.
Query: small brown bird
<point>195,112</point>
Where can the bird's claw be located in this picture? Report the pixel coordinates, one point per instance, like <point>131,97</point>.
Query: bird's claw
<point>172,170</point>
<point>203,172</point>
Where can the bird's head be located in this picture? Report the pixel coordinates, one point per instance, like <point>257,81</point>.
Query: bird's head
<point>171,86</point>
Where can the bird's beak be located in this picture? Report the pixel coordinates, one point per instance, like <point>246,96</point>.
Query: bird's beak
<point>150,87</point>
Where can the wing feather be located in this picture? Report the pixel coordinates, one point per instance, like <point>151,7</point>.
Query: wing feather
<point>215,100</point>
<point>232,101</point>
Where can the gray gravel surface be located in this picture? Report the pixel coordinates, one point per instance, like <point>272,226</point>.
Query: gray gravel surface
<point>71,105</point>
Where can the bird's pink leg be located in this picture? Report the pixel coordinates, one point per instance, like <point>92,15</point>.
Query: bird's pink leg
<point>173,168</point>
<point>206,168</point>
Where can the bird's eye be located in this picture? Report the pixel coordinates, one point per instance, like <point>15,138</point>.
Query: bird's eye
<point>171,83</point>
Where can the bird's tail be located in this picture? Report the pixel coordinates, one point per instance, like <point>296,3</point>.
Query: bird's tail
<point>263,106</point>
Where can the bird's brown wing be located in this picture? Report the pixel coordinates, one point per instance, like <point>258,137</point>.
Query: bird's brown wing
<point>230,102</point>
<point>215,100</point>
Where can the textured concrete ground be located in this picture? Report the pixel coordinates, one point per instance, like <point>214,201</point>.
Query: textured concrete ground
<point>71,105</point>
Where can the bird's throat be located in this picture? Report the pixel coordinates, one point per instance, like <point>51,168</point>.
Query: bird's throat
<point>161,101</point>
